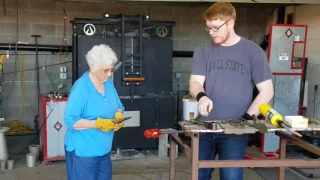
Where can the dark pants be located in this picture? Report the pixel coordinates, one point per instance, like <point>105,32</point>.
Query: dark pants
<point>88,168</point>
<point>228,147</point>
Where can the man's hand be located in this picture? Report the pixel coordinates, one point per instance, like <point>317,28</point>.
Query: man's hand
<point>205,106</point>
<point>104,125</point>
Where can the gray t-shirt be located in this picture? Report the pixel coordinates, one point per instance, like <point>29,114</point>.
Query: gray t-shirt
<point>231,73</point>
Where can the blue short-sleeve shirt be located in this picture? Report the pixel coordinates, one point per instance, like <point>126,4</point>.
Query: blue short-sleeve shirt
<point>85,102</point>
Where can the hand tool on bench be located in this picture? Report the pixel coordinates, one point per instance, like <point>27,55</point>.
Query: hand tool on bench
<point>262,128</point>
<point>275,118</point>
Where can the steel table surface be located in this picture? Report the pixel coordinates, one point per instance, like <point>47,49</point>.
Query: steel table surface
<point>192,152</point>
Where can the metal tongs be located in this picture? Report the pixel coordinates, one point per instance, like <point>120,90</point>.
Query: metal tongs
<point>121,120</point>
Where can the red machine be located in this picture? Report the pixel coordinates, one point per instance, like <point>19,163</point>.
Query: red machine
<point>286,56</point>
<point>52,127</point>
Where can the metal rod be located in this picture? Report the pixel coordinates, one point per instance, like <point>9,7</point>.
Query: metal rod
<point>37,66</point>
<point>31,47</point>
<point>315,101</point>
<point>56,48</point>
<point>27,54</point>
<point>258,163</point>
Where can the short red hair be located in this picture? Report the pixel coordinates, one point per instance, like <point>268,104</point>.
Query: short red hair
<point>220,10</point>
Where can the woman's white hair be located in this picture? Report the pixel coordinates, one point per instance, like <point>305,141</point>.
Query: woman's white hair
<point>101,54</point>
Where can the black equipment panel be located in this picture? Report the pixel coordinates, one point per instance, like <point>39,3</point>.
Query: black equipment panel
<point>145,50</point>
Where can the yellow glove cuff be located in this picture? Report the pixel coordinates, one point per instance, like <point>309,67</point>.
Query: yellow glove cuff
<point>99,123</point>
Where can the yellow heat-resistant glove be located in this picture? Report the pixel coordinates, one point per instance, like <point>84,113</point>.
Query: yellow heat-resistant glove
<point>104,125</point>
<point>117,126</point>
<point>118,115</point>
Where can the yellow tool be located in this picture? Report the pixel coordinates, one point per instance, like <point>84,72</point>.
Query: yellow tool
<point>275,118</point>
<point>268,112</point>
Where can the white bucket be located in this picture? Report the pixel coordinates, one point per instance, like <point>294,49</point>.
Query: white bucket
<point>189,108</point>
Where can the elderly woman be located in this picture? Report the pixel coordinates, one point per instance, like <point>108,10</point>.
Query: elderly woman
<point>92,107</point>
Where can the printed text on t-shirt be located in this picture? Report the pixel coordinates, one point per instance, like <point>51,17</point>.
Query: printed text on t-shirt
<point>227,64</point>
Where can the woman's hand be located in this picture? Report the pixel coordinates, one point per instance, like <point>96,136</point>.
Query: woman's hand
<point>118,115</point>
<point>118,126</point>
<point>104,125</point>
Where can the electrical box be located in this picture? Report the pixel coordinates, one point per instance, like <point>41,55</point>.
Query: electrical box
<point>63,72</point>
<point>51,111</point>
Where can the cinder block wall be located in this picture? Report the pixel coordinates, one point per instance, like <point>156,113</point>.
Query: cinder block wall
<point>310,15</point>
<point>45,17</point>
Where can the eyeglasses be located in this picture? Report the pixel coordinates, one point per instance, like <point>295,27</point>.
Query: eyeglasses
<point>214,29</point>
<point>106,71</point>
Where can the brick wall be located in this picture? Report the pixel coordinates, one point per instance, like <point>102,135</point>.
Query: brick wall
<point>310,15</point>
<point>45,17</point>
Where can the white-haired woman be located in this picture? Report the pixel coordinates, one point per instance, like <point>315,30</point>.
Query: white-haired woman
<point>92,107</point>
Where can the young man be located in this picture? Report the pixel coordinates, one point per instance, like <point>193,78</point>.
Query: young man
<point>229,66</point>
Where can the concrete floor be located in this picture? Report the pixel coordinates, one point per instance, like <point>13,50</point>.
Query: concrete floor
<point>139,169</point>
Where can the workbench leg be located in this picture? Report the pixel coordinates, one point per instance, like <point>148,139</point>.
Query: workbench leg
<point>172,171</point>
<point>281,171</point>
<point>195,156</point>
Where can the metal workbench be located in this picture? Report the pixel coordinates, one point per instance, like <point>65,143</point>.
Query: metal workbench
<point>192,153</point>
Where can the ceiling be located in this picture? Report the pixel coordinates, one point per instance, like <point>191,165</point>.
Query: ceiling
<point>232,1</point>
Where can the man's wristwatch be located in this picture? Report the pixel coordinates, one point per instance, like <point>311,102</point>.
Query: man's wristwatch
<point>200,95</point>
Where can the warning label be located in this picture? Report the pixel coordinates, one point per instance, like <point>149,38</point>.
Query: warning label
<point>289,32</point>
<point>57,126</point>
<point>284,56</point>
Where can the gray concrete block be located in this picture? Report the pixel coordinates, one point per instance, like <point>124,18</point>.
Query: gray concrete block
<point>180,11</point>
<point>91,7</point>
<point>11,28</point>
<point>70,7</point>
<point>186,22</point>
<point>115,8</point>
<point>160,10</point>
<point>308,10</point>
<point>36,17</point>
<point>176,19</point>
<point>43,5</point>
<point>8,38</point>
<point>181,34</point>
<point>72,16</point>
<point>59,30</point>
<point>44,29</point>
<point>182,64</point>
<point>190,45</point>
<point>10,17</point>
<point>199,34</point>
<point>176,45</point>
<point>22,4</point>
<point>16,90</point>
<point>138,9</point>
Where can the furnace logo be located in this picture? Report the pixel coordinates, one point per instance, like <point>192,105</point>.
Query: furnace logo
<point>89,29</point>
<point>162,31</point>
